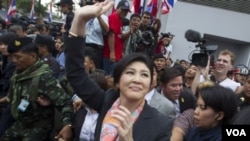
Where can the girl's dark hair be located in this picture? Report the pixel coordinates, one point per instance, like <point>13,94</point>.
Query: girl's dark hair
<point>127,60</point>
<point>218,98</point>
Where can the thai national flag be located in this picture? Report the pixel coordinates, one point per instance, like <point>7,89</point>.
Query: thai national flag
<point>32,11</point>
<point>167,6</point>
<point>138,6</point>
<point>11,11</point>
<point>50,13</point>
<point>152,7</point>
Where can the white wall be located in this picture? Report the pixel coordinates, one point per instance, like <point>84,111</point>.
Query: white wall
<point>213,21</point>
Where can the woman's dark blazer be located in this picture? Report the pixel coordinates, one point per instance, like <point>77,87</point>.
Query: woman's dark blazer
<point>151,125</point>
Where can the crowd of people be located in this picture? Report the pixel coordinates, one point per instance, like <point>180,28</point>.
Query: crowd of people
<point>107,78</point>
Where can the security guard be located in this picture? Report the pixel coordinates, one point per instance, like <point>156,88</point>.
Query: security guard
<point>45,46</point>
<point>67,9</point>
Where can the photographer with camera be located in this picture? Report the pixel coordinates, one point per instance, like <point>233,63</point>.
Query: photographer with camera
<point>223,64</point>
<point>132,34</point>
<point>149,28</point>
<point>164,44</point>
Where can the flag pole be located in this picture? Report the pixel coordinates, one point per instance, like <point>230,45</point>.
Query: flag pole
<point>142,6</point>
<point>159,5</point>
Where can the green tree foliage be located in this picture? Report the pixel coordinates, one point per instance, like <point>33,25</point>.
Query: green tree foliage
<point>24,7</point>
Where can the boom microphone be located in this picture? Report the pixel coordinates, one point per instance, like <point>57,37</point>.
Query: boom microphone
<point>193,36</point>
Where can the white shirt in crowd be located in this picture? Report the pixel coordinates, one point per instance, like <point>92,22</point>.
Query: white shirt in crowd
<point>94,32</point>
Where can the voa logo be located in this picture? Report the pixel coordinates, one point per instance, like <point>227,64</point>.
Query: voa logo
<point>236,132</point>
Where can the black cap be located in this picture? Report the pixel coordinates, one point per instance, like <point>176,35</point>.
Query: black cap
<point>7,37</point>
<point>18,43</point>
<point>43,40</point>
<point>159,55</point>
<point>166,35</point>
<point>241,69</point>
<point>124,5</point>
<point>64,2</point>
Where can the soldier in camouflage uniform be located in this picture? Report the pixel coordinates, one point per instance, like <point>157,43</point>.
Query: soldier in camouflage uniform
<point>33,95</point>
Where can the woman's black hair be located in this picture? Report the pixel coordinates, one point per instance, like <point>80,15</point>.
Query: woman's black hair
<point>127,60</point>
<point>219,98</point>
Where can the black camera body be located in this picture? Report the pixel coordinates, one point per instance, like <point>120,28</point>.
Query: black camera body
<point>145,42</point>
<point>145,39</point>
<point>201,58</point>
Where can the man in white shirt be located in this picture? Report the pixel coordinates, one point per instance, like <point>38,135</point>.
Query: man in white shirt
<point>96,28</point>
<point>223,64</point>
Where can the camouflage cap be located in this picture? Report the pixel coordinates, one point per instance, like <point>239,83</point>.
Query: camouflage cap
<point>18,43</point>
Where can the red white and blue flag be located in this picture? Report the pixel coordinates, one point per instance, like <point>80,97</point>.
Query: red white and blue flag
<point>138,6</point>
<point>152,7</point>
<point>167,6</point>
<point>11,11</point>
<point>32,11</point>
<point>50,13</point>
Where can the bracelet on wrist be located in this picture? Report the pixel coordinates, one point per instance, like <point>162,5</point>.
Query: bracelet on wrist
<point>73,34</point>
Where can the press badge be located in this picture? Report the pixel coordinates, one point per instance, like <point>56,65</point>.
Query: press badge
<point>23,105</point>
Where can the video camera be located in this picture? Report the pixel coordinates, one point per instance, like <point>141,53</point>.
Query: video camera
<point>20,20</point>
<point>145,43</point>
<point>145,39</point>
<point>55,29</point>
<point>201,58</point>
